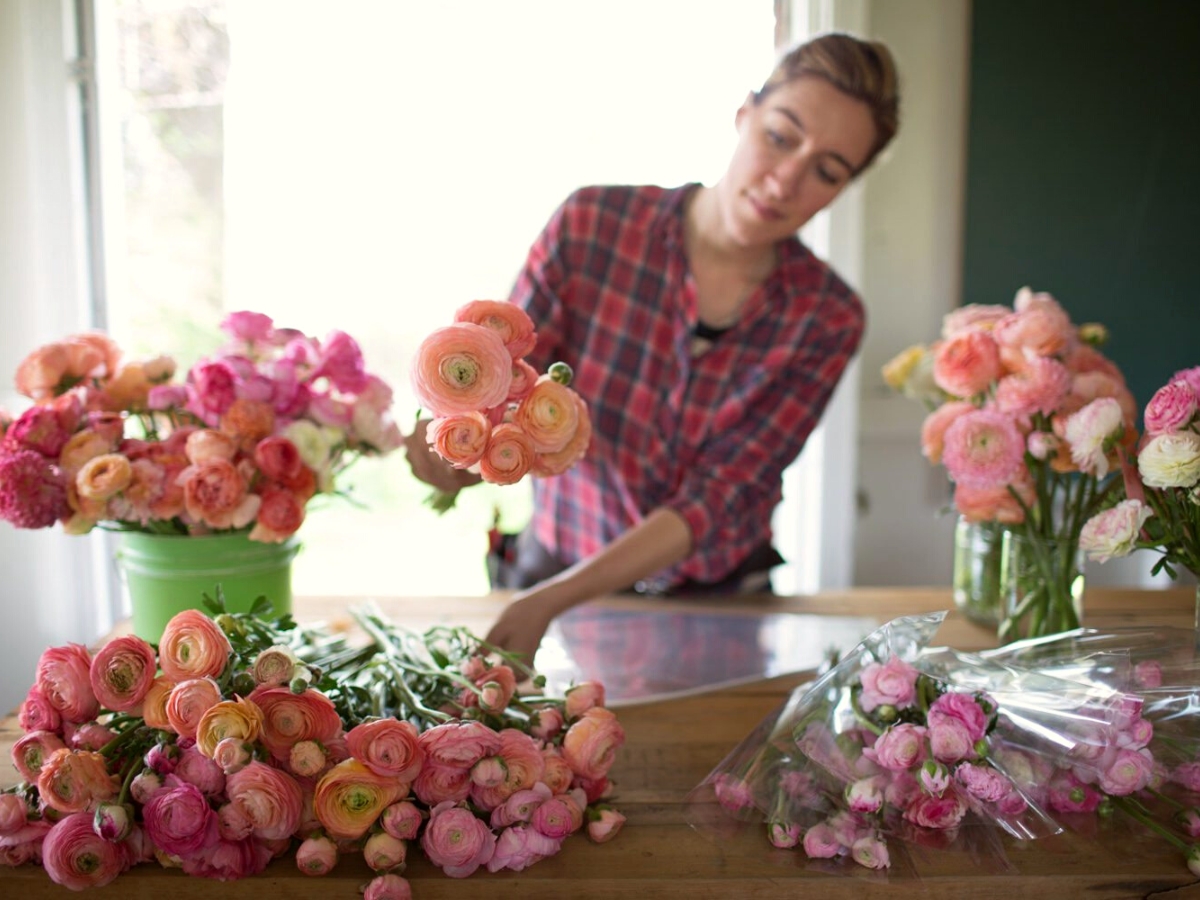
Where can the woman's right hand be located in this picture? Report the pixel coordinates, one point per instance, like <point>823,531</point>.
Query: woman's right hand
<point>430,468</point>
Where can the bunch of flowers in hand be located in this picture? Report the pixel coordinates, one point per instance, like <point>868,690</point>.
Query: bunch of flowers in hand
<point>242,739</point>
<point>1161,506</point>
<point>242,442</point>
<point>902,744</point>
<point>1027,415</point>
<point>495,415</point>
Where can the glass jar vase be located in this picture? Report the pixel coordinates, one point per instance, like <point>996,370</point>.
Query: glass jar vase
<point>978,549</point>
<point>1041,582</point>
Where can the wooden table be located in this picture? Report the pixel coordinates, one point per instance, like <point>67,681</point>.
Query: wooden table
<point>671,746</point>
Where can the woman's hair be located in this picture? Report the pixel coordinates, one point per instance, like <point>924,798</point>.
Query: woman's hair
<point>861,69</point>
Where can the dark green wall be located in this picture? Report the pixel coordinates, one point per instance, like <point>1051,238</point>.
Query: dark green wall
<point>1083,174</point>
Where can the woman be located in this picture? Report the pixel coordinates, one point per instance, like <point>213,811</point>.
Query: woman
<point>706,340</point>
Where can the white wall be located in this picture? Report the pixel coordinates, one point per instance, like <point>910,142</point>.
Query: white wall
<point>47,591</point>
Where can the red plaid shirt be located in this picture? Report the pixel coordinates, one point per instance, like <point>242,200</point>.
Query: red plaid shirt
<point>608,286</point>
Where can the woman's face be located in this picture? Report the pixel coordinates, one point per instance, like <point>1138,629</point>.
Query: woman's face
<point>797,148</point>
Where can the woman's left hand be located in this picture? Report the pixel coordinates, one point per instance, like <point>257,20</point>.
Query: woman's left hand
<point>522,626</point>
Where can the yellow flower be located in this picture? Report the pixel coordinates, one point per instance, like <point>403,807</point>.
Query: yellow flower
<point>897,371</point>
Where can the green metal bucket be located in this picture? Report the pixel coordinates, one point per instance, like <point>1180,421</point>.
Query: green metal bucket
<point>166,574</point>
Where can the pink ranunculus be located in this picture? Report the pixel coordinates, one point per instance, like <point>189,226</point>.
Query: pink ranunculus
<point>36,713</point>
<point>402,820</point>
<point>520,846</point>
<point>33,491</point>
<point>382,852</point>
<point>606,823</point>
<point>196,768</point>
<point>1148,674</point>
<point>74,856</point>
<point>1129,772</point>
<point>456,841</point>
<point>899,747</point>
<point>13,814</point>
<point>933,429</point>
<point>546,722</point>
<point>307,759</point>
<point>387,887</point>
<point>270,798</point>
<point>1189,821</point>
<point>460,744</point>
<point>553,818</point>
<point>232,754</point>
<point>1115,531</point>
<point>63,677</point>
<point>214,384</point>
<point>520,806</point>
<point>1067,793</point>
<point>1038,326</point>
<point>508,320</point>
<point>122,671</point>
<point>962,707</point>
<point>489,772</point>
<point>1191,376</point>
<point>387,747</point>
<point>248,327</point>
<point>871,852</point>
<point>509,455</point>
<point>289,718</point>
<point>1188,775</point>
<point>523,766</point>
<point>1091,432</point>
<point>188,702</point>
<point>950,741</point>
<point>341,361</point>
<point>865,795</point>
<point>460,368</point>
<point>983,782</point>
<point>316,855</point>
<point>179,820</point>
<point>232,823</point>
<point>821,843</point>
<point>933,777</point>
<point>941,812</point>
<point>965,364</point>
<point>1039,387</point>
<point>784,835</point>
<point>229,860</point>
<point>997,504</point>
<point>460,439</point>
<point>524,377</point>
<point>1171,409</point>
<point>972,316</point>
<point>582,697</point>
<point>145,785</point>
<point>591,743</point>
<point>893,683</point>
<point>983,449</point>
<point>438,783</point>
<point>42,429</point>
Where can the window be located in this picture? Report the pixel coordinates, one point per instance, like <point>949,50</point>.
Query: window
<point>371,165</point>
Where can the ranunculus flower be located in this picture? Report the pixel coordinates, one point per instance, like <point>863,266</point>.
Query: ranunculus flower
<point>387,747</point>
<point>553,818</point>
<point>1170,460</point>
<point>1130,771</point>
<point>387,887</point>
<point>979,316</point>
<point>122,671</point>
<point>520,806</point>
<point>966,363</point>
<point>179,820</point>
<point>524,377</point>
<point>983,449</point>
<point>455,841</point>
<point>933,429</point>
<point>154,704</point>
<point>961,707</point>
<point>821,843</point>
<point>590,745</point>
<point>308,759</point>
<point>1038,326</point>
<point>383,852</point>
<point>899,747</point>
<point>950,741</point>
<point>64,679</point>
<point>1171,409</point>
<point>215,384</point>
<point>402,820</point>
<point>1041,386</point>
<point>1091,432</point>
<point>188,702</point>
<point>508,320</point>
<point>273,666</point>
<point>983,782</point>
<point>215,493</point>
<point>549,415</point>
<point>549,464</point>
<point>196,768</point>
<point>865,795</point>
<point>460,439</point>
<point>226,860</point>
<point>36,713</point>
<point>509,455</point>
<point>341,361</point>
<point>581,697</point>
<point>33,491</point>
<point>546,722</point>
<point>232,754</point>
<point>871,852</point>
<point>349,798</point>
<point>437,783</point>
<point>784,835</point>
<point>31,750</point>
<point>930,811</point>
<point>316,855</point>
<point>270,798</point>
<point>238,718</point>
<point>74,856</point>
<point>1114,532</point>
<point>893,683</point>
<point>460,368</point>
<point>996,504</point>
<point>519,847</point>
<point>250,327</point>
<point>192,646</point>
<point>290,718</point>
<point>103,476</point>
<point>459,744</point>
<point>280,515</point>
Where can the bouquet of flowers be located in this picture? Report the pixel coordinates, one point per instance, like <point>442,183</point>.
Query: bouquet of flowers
<point>1026,416</point>
<point>903,745</point>
<point>242,739</point>
<point>495,415</point>
<point>1161,508</point>
<point>243,442</point>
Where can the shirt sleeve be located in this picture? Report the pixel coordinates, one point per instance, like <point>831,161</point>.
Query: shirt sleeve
<point>733,485</point>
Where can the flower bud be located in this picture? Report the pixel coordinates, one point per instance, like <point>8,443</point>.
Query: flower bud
<point>886,713</point>
<point>384,852</point>
<point>783,835</point>
<point>162,758</point>
<point>317,855</point>
<point>301,679</point>
<point>560,372</point>
<point>230,625</point>
<point>113,821</point>
<point>243,683</point>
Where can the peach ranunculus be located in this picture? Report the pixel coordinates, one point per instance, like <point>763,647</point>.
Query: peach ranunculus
<point>508,320</point>
<point>270,799</point>
<point>549,415</point>
<point>996,504</point>
<point>460,368</point>
<point>81,447</point>
<point>75,780</point>
<point>76,857</point>
<point>122,672</point>
<point>154,704</point>
<point>933,429</point>
<point>550,464</point>
<point>350,797</point>
<point>591,743</point>
<point>64,678</point>
<point>53,368</point>
<point>966,364</point>
<point>188,702</point>
<point>1038,326</point>
<point>192,646</point>
<point>387,747</point>
<point>247,422</point>
<point>31,751</point>
<point>1040,387</point>
<point>215,494</point>
<point>524,377</point>
<point>459,744</point>
<point>509,455</point>
<point>207,445</point>
<point>290,718</point>
<point>237,718</point>
<point>972,316</point>
<point>456,841</point>
<point>460,439</point>
<point>280,515</point>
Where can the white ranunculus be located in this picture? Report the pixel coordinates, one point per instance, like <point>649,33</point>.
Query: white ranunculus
<point>1171,460</point>
<point>1114,532</point>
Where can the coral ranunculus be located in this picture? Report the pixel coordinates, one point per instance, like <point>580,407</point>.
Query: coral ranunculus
<point>460,368</point>
<point>460,439</point>
<point>509,455</point>
<point>549,415</point>
<point>508,320</point>
<point>192,646</point>
<point>350,797</point>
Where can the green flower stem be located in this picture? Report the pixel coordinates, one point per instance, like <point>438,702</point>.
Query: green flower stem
<point>1139,813</point>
